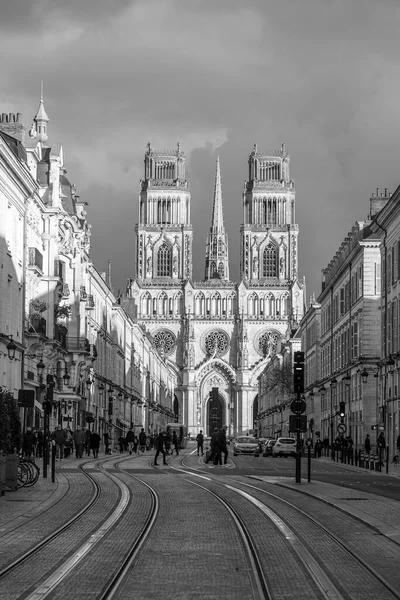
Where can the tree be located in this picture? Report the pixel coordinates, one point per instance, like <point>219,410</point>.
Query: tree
<point>10,424</point>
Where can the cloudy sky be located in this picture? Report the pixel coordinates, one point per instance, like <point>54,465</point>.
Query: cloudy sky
<point>323,76</point>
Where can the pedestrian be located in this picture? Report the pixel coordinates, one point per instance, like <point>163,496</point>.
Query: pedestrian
<point>135,443</point>
<point>29,443</point>
<point>168,440</point>
<point>95,443</point>
<point>40,441</point>
<point>215,453</point>
<point>381,443</point>
<point>68,443</point>
<point>325,443</point>
<point>129,439</point>
<point>398,444</point>
<point>79,441</point>
<point>175,442</point>
<point>318,448</point>
<point>200,442</point>
<point>59,436</point>
<point>159,447</point>
<point>121,443</point>
<point>223,444</point>
<point>87,441</point>
<point>367,444</point>
<point>142,440</point>
<point>106,438</point>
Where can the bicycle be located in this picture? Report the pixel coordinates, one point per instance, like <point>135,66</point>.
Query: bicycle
<point>28,472</point>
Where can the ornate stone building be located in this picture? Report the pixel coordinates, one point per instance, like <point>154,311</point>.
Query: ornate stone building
<point>217,333</point>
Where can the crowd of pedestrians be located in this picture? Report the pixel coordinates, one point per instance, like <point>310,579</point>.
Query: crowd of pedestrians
<point>218,447</point>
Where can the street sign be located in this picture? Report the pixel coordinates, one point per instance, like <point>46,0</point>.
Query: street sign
<point>341,428</point>
<point>298,407</point>
<point>298,423</point>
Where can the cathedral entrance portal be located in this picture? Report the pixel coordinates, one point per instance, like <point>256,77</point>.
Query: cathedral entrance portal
<point>215,408</point>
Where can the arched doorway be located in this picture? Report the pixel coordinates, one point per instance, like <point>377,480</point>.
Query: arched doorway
<point>215,412</point>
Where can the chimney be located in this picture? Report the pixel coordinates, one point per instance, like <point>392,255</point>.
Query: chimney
<point>13,126</point>
<point>378,201</point>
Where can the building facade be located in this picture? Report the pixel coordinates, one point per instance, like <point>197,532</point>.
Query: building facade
<point>75,346</point>
<point>216,333</point>
<point>386,225</point>
<point>341,336</point>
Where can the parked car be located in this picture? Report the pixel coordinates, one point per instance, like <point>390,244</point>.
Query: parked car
<point>267,448</point>
<point>284,447</point>
<point>245,445</point>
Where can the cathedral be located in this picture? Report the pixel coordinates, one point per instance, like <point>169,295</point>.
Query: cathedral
<point>218,335</point>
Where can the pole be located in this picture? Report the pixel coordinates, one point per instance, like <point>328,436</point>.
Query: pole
<point>309,461</point>
<point>53,461</point>
<point>45,443</point>
<point>298,458</point>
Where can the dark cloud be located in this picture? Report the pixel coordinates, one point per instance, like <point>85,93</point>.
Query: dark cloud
<point>321,76</point>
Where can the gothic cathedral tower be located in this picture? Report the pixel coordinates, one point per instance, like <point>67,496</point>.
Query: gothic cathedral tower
<point>217,260</point>
<point>164,233</point>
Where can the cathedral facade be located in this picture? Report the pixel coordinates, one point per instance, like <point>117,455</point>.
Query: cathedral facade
<point>217,333</point>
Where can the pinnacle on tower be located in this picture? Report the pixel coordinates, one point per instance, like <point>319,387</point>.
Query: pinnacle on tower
<point>41,119</point>
<point>217,216</point>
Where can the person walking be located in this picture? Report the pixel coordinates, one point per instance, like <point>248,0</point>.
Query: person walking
<point>175,443</point>
<point>200,442</point>
<point>121,443</point>
<point>367,444</point>
<point>106,437</point>
<point>40,440</point>
<point>68,443</point>
<point>87,441</point>
<point>223,445</point>
<point>29,443</point>
<point>135,443</point>
<point>59,436</point>
<point>398,444</point>
<point>168,440</point>
<point>381,443</point>
<point>79,441</point>
<point>215,453</point>
<point>95,443</point>
<point>159,441</point>
<point>130,439</point>
<point>325,444</point>
<point>142,440</point>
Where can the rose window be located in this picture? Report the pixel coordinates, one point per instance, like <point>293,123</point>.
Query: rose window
<point>164,341</point>
<point>217,342</point>
<point>267,342</point>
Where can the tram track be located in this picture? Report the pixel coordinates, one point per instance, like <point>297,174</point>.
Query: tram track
<point>347,559</point>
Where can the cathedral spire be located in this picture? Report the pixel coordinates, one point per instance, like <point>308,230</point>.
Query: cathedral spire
<point>217,216</point>
<point>217,265</point>
<point>41,119</point>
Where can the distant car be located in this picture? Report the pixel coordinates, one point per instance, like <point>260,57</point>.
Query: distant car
<point>284,447</point>
<point>245,445</point>
<point>267,448</point>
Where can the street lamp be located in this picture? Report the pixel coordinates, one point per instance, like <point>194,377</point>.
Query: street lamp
<point>364,375</point>
<point>66,377</point>
<point>11,348</point>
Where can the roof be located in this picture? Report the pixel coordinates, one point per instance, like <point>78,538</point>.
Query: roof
<point>15,146</point>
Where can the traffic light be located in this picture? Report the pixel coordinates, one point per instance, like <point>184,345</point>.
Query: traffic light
<point>342,410</point>
<point>298,373</point>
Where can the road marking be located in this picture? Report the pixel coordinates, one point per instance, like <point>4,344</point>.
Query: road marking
<point>51,582</point>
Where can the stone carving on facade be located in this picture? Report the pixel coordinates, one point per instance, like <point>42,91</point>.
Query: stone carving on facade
<point>149,265</point>
<point>266,342</point>
<point>216,343</point>
<point>34,216</point>
<point>175,265</point>
<point>191,357</point>
<point>294,257</point>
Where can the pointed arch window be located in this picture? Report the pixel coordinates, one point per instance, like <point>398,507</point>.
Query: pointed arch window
<point>269,261</point>
<point>164,261</point>
<point>221,270</point>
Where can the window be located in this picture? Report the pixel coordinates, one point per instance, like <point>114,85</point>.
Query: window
<point>35,258</point>
<point>164,261</point>
<point>269,261</point>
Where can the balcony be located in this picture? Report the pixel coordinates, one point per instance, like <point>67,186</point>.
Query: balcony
<point>89,302</point>
<point>78,344</point>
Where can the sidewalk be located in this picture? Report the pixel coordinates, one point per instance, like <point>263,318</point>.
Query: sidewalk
<point>393,470</point>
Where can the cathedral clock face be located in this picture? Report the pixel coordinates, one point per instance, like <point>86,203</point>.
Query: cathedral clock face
<point>164,340</point>
<point>216,341</point>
